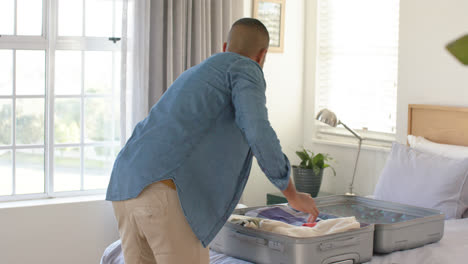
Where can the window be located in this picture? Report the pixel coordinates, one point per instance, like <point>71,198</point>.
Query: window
<point>59,96</point>
<point>357,65</point>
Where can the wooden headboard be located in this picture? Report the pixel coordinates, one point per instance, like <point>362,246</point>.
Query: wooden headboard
<point>441,124</point>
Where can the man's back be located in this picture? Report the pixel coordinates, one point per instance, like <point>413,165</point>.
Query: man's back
<point>191,136</point>
<point>175,125</point>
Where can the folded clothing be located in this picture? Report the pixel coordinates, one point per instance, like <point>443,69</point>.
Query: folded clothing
<point>324,227</point>
<point>285,214</point>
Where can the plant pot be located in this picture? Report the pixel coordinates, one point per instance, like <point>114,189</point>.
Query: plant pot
<point>307,181</point>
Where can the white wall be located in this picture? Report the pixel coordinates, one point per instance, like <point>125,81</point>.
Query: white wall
<point>427,75</point>
<point>283,75</point>
<point>58,233</point>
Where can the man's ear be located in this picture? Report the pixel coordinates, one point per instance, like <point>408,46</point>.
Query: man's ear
<point>224,46</point>
<point>260,59</point>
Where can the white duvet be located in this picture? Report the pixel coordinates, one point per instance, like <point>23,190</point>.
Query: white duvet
<point>452,248</point>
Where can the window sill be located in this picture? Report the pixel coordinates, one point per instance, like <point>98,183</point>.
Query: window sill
<point>52,201</point>
<point>351,144</point>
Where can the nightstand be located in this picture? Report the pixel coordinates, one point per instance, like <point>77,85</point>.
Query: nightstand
<point>278,197</point>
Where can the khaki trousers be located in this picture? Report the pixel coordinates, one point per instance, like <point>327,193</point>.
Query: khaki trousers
<point>153,229</point>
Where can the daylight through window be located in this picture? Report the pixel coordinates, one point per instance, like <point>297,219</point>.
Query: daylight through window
<point>59,96</point>
<point>357,63</point>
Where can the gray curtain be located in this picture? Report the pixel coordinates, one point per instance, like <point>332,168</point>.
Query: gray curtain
<point>182,34</point>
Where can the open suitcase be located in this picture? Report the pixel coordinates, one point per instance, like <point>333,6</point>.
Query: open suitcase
<point>259,246</point>
<point>385,227</point>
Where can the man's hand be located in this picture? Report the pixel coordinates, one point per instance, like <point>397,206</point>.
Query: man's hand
<point>301,201</point>
<point>305,203</point>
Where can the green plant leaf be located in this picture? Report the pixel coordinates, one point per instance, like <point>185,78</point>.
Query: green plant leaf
<point>318,160</point>
<point>303,164</point>
<point>320,164</point>
<point>459,49</point>
<point>314,162</point>
<point>302,155</point>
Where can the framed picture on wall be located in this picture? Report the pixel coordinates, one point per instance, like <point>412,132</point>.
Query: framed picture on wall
<point>271,13</point>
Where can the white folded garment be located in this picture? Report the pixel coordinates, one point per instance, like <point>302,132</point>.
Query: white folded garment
<point>324,227</point>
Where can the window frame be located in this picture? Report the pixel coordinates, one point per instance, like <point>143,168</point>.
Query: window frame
<point>50,42</point>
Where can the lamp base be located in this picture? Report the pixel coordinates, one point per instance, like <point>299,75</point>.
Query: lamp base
<point>350,193</point>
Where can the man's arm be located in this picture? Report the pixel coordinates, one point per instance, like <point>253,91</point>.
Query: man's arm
<point>248,97</point>
<point>301,201</point>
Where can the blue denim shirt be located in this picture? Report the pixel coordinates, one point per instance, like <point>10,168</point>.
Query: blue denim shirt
<point>202,134</point>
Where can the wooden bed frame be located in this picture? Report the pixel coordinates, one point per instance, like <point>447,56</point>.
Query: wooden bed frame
<point>441,124</point>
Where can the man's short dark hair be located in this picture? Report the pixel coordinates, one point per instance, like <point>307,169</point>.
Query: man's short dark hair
<point>253,23</point>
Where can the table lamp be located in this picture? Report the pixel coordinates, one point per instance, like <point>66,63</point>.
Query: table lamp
<point>328,117</point>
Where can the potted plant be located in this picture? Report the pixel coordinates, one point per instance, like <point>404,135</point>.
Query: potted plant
<point>308,175</point>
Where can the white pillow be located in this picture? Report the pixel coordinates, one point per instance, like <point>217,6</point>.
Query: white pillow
<point>425,180</point>
<point>451,151</point>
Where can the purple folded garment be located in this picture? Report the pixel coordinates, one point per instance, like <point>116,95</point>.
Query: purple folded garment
<point>276,213</point>
<point>285,214</point>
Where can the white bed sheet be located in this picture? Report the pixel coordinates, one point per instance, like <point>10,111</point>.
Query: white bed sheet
<point>452,248</point>
<point>113,255</point>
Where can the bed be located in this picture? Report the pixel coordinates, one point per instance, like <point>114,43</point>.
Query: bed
<point>439,127</point>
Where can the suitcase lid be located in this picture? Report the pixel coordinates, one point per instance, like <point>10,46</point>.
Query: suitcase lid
<point>383,214</point>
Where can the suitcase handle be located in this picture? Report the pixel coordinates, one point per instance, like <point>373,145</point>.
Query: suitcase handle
<point>248,238</point>
<point>339,243</point>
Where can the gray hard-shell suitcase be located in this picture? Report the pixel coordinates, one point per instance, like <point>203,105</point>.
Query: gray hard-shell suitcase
<point>406,227</point>
<point>259,246</point>
<point>410,227</point>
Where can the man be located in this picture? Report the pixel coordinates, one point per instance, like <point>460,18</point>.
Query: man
<point>183,170</point>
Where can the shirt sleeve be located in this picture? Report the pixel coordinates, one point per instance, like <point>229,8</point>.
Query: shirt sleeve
<point>249,100</point>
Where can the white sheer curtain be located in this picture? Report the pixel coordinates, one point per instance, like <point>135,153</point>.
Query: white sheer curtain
<point>163,38</point>
<point>135,64</point>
